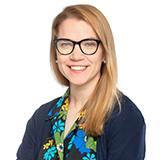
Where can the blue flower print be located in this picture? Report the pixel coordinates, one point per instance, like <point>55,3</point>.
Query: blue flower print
<point>56,115</point>
<point>50,153</point>
<point>67,155</point>
<point>71,142</point>
<point>80,143</point>
<point>58,126</point>
<point>69,135</point>
<point>89,157</point>
<point>51,132</point>
<point>59,103</point>
<point>50,113</point>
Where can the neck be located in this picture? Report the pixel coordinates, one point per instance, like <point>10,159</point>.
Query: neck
<point>79,95</point>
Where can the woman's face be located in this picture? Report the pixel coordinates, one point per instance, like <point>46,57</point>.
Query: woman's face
<point>78,68</point>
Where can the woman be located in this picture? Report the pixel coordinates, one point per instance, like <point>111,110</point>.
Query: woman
<point>93,119</point>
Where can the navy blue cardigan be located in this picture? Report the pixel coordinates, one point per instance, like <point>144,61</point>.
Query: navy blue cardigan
<point>123,138</point>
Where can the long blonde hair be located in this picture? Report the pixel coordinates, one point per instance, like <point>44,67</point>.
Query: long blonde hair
<point>105,95</point>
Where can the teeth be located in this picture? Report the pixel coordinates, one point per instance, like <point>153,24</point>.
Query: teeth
<point>77,68</point>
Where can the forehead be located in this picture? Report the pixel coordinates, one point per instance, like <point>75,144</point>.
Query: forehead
<point>75,29</point>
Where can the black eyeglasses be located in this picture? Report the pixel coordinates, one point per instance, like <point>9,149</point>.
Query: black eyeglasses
<point>87,46</point>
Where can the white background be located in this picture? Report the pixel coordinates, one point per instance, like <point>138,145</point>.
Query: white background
<point>26,81</point>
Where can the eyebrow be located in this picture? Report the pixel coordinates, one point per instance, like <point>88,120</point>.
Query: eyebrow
<point>78,40</point>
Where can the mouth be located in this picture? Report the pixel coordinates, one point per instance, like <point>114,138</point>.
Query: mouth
<point>78,68</point>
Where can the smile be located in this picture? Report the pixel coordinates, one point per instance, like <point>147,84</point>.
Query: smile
<point>78,68</point>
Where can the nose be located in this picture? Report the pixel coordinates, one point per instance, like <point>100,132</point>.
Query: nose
<point>77,54</point>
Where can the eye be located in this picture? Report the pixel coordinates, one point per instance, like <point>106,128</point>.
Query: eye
<point>64,44</point>
<point>89,44</point>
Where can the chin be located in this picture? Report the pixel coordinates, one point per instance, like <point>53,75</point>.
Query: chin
<point>78,83</point>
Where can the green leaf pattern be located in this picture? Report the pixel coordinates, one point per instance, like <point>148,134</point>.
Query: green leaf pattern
<point>91,144</point>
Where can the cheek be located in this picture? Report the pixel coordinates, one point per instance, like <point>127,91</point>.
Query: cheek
<point>96,64</point>
<point>61,63</point>
<point>99,61</point>
<point>99,58</point>
<point>60,59</point>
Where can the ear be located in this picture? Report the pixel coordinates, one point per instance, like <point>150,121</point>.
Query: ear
<point>103,58</point>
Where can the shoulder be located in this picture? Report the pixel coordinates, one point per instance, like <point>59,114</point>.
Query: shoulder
<point>124,133</point>
<point>37,120</point>
<point>122,121</point>
<point>127,108</point>
<point>127,105</point>
<point>129,114</point>
<point>43,110</point>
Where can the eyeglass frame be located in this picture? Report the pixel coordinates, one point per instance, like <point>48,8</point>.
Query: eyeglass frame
<point>77,42</point>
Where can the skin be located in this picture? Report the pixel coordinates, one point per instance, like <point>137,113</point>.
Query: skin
<point>82,82</point>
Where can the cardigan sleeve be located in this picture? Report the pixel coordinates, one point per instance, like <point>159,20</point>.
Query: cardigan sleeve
<point>127,137</point>
<point>26,149</point>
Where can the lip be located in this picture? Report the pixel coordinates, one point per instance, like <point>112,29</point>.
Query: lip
<point>77,68</point>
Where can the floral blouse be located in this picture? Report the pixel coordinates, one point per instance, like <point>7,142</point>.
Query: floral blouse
<point>76,145</point>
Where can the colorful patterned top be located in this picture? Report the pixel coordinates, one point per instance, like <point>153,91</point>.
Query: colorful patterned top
<point>76,145</point>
